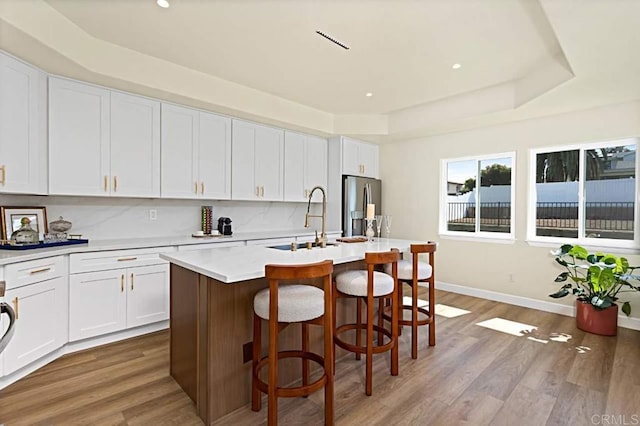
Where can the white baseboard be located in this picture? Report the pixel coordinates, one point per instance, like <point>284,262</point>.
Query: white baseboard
<point>78,346</point>
<point>556,308</point>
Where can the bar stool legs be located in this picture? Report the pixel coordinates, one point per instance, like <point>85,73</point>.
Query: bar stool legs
<point>282,305</point>
<point>368,286</point>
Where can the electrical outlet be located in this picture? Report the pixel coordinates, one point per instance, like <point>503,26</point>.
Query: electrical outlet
<point>153,214</point>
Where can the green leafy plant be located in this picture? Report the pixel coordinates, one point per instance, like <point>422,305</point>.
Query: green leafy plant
<point>596,278</point>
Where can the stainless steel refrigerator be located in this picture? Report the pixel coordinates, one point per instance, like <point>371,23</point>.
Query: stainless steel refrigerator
<point>357,192</point>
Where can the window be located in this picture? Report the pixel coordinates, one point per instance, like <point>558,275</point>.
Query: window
<point>469,210</point>
<point>585,192</point>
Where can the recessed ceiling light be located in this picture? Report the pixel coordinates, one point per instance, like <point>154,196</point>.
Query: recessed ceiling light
<point>163,3</point>
<point>454,66</point>
<point>369,94</point>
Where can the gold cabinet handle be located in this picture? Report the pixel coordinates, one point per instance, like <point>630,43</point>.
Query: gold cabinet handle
<point>132,281</point>
<point>195,187</point>
<point>257,191</point>
<point>106,182</point>
<point>202,188</point>
<point>37,271</point>
<point>15,305</point>
<point>115,183</point>
<point>126,259</point>
<point>121,283</point>
<point>262,191</point>
<point>3,170</point>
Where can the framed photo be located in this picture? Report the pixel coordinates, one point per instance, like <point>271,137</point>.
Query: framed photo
<point>13,219</point>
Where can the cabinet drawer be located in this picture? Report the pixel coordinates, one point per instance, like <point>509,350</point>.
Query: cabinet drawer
<point>33,271</point>
<point>115,259</point>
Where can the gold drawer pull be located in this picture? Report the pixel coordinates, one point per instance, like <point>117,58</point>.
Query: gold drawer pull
<point>121,283</point>
<point>115,184</point>
<point>126,259</point>
<point>202,188</point>
<point>195,187</point>
<point>132,281</point>
<point>37,271</point>
<point>15,306</point>
<point>106,182</point>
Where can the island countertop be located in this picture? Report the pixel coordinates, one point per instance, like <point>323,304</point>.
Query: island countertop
<point>235,264</point>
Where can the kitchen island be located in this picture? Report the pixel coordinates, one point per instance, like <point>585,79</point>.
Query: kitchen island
<point>211,316</point>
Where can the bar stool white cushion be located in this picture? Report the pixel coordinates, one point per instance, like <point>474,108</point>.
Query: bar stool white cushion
<point>354,283</point>
<point>405,270</point>
<point>296,303</point>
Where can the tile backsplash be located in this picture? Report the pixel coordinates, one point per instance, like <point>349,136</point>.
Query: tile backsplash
<point>99,218</point>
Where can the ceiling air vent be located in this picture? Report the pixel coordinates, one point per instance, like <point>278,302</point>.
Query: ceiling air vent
<point>333,40</point>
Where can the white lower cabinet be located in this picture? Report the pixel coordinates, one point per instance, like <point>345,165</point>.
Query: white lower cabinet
<point>115,290</point>
<point>107,301</point>
<point>41,307</point>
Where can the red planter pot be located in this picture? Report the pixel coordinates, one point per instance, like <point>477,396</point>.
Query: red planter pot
<point>597,321</point>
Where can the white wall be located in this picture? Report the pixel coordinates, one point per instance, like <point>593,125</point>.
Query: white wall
<point>410,173</point>
<point>108,218</point>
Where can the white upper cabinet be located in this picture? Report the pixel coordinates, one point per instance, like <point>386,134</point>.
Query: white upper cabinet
<point>135,146</point>
<point>102,142</point>
<point>359,158</point>
<point>257,162</point>
<point>305,166</point>
<point>23,131</point>
<point>196,154</point>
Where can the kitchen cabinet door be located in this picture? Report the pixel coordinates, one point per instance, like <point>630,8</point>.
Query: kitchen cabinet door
<point>359,158</point>
<point>350,159</point>
<point>214,156</point>
<point>41,322</point>
<point>179,141</point>
<point>23,131</point>
<point>294,167</point>
<point>269,162</point>
<point>368,154</point>
<point>305,166</point>
<point>315,170</point>
<point>97,303</point>
<point>135,146</point>
<point>147,294</point>
<point>243,184</point>
<point>78,138</point>
<point>257,162</point>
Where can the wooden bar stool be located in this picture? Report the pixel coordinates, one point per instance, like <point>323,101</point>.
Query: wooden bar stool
<point>367,286</point>
<point>412,272</point>
<point>282,305</point>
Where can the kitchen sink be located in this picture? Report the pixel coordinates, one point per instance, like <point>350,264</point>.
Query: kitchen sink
<point>300,246</point>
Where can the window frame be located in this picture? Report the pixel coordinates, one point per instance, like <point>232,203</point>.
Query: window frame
<point>606,243</point>
<point>477,234</point>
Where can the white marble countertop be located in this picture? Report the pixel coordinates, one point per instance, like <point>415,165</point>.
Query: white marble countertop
<point>234,264</point>
<point>12,256</point>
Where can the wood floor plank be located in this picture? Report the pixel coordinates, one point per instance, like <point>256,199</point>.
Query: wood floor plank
<point>473,375</point>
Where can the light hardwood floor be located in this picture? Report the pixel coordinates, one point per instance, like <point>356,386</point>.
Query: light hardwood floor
<point>473,376</point>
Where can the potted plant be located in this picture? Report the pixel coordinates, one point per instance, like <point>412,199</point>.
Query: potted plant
<point>595,279</point>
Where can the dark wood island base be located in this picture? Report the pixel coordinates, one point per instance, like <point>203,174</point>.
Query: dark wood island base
<point>211,339</point>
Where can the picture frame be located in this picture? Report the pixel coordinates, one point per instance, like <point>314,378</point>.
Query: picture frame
<point>12,216</point>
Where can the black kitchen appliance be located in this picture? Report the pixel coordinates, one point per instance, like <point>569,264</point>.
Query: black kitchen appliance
<point>224,226</point>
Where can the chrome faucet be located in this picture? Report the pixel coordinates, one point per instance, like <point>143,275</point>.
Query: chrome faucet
<point>323,235</point>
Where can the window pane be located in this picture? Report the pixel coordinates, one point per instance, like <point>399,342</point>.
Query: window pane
<point>461,183</point>
<point>557,176</point>
<point>495,195</point>
<point>610,192</point>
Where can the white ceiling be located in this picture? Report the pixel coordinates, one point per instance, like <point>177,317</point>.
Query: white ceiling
<point>519,58</point>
